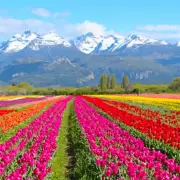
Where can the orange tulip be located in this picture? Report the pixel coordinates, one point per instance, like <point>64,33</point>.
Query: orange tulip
<point>9,121</point>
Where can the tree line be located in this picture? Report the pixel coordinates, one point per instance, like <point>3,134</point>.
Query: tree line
<point>107,85</point>
<point>108,82</point>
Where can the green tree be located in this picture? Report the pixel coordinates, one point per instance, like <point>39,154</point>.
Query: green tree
<point>103,82</point>
<point>125,82</point>
<point>108,81</point>
<point>113,81</point>
<point>175,85</point>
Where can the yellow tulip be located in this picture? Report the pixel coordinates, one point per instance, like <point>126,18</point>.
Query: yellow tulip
<point>173,104</point>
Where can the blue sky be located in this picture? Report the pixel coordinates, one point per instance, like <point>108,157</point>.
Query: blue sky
<point>69,18</point>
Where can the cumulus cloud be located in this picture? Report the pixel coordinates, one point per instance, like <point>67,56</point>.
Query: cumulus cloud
<point>46,13</point>
<point>88,26</point>
<point>10,26</point>
<point>73,30</point>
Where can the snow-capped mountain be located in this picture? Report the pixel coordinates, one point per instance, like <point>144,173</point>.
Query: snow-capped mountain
<point>87,42</point>
<point>18,42</point>
<point>50,39</point>
<point>32,40</point>
<point>134,41</point>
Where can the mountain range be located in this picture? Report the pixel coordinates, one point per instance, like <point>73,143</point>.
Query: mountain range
<point>51,60</point>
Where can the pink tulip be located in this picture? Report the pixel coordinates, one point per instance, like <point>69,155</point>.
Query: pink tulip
<point>41,133</point>
<point>116,148</point>
<point>108,172</point>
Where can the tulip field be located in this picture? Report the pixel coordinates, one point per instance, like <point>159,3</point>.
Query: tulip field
<point>90,137</point>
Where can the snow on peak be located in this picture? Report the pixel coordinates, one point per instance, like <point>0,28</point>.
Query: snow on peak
<point>26,36</point>
<point>135,39</point>
<point>51,36</point>
<point>117,44</point>
<point>18,42</point>
<point>90,43</point>
<point>107,43</point>
<point>87,42</point>
<point>178,44</point>
<point>31,39</point>
<point>49,39</point>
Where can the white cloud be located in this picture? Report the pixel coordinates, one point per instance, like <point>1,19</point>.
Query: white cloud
<point>73,30</point>
<point>46,13</point>
<point>41,12</point>
<point>88,26</point>
<point>10,26</point>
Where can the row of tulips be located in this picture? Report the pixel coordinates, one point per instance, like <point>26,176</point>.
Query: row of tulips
<point>18,97</point>
<point>154,130</point>
<point>170,151</point>
<point>27,154</point>
<point>10,97</point>
<point>172,119</point>
<point>118,154</point>
<point>20,101</point>
<point>171,104</point>
<point>3,112</point>
<point>169,96</point>
<point>9,121</point>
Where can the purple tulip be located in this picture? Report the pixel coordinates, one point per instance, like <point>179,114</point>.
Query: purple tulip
<point>5,103</point>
